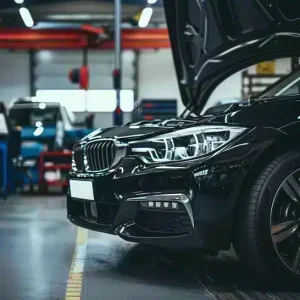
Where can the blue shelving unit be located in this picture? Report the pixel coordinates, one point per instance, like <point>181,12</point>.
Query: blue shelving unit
<point>152,109</point>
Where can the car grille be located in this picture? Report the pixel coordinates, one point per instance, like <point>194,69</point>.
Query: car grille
<point>78,157</point>
<point>100,155</point>
<point>164,222</point>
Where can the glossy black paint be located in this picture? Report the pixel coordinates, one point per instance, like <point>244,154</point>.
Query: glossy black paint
<point>213,39</point>
<point>214,183</point>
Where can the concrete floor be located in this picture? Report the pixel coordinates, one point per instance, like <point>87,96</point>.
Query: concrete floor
<point>37,244</point>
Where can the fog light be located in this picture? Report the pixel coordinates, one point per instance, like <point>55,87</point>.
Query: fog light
<point>93,209</point>
<point>158,204</point>
<point>174,205</point>
<point>166,204</point>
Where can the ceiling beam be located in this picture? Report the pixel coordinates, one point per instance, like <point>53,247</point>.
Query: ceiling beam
<point>84,37</point>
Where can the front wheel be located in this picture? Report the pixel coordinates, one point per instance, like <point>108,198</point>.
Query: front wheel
<point>268,230</point>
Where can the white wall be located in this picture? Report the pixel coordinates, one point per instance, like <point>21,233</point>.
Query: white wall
<point>52,68</point>
<point>103,120</point>
<point>157,77</point>
<point>14,75</point>
<point>230,88</point>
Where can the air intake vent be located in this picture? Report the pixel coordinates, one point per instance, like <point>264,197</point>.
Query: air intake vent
<point>100,155</point>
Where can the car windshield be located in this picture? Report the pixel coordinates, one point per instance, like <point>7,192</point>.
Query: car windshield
<point>29,116</point>
<point>286,86</point>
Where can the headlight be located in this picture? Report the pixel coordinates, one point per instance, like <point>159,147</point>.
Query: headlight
<point>184,144</point>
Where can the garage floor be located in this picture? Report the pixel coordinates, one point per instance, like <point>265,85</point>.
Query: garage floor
<point>42,256</point>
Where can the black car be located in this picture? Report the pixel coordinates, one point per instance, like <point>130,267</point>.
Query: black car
<point>211,181</point>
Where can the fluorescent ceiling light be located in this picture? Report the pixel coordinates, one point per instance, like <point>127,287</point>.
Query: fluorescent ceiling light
<point>152,1</point>
<point>26,16</point>
<point>145,17</point>
<point>19,1</point>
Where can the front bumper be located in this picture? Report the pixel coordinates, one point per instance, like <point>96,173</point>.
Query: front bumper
<point>122,208</point>
<point>203,193</point>
<point>133,222</point>
<point>206,189</point>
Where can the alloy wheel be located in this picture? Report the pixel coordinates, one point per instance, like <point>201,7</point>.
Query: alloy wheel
<point>285,222</point>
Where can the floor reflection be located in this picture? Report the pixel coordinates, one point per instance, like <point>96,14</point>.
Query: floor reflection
<point>222,277</point>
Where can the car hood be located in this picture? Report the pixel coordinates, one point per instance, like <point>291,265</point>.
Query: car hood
<point>213,39</point>
<point>278,113</point>
<point>140,130</point>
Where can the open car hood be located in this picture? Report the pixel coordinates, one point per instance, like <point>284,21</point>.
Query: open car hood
<point>213,39</point>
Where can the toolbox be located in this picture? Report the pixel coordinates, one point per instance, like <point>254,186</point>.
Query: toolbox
<point>54,168</point>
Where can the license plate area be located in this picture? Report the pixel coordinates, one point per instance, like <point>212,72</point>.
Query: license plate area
<point>82,189</point>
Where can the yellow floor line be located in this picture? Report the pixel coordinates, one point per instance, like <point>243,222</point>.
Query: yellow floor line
<point>74,286</point>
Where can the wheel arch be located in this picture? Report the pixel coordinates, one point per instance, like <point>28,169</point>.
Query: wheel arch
<point>285,143</point>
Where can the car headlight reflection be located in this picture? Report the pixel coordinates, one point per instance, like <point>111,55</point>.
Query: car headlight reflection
<point>184,144</point>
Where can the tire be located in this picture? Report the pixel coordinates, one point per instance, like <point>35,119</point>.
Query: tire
<point>254,239</point>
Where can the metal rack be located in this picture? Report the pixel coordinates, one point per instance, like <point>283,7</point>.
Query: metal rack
<point>253,84</point>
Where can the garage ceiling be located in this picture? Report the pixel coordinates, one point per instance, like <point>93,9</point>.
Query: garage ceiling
<point>98,12</point>
<point>10,3</point>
